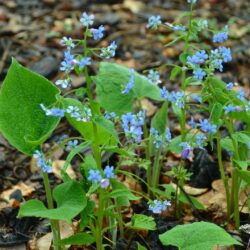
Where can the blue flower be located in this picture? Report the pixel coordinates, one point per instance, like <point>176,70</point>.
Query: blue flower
<point>222,53</point>
<point>178,98</point>
<point>109,52</point>
<point>84,62</point>
<point>130,83</point>
<point>94,176</point>
<point>71,145</point>
<point>68,63</point>
<point>63,83</point>
<point>165,94</point>
<point>157,140</point>
<point>217,64</point>
<point>200,140</point>
<point>68,42</point>
<point>109,172</point>
<point>202,24</point>
<point>154,22</point>
<point>132,125</point>
<point>196,98</point>
<point>43,164</point>
<point>241,95</point>
<point>199,73</point>
<point>157,206</point>
<point>192,123</point>
<point>168,135</point>
<point>53,111</point>
<point>192,1</point>
<point>229,108</point>
<point>207,127</point>
<point>229,86</point>
<point>104,183</point>
<point>110,116</point>
<point>98,33</point>
<point>87,20</point>
<point>186,151</point>
<point>198,58</point>
<point>83,115</point>
<point>221,36</point>
<point>154,76</point>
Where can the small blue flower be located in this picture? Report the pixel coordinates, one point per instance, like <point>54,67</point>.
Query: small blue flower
<point>157,140</point>
<point>176,27</point>
<point>85,61</point>
<point>109,172</point>
<point>109,52</point>
<point>98,33</point>
<point>217,64</point>
<point>200,140</point>
<point>207,127</point>
<point>53,111</point>
<point>186,151</point>
<point>165,94</point>
<point>130,83</point>
<point>110,116</point>
<point>68,63</point>
<point>94,176</point>
<point>196,98</point>
<point>154,76</point>
<point>168,135</point>
<point>198,58</point>
<point>43,164</point>
<point>63,83</point>
<point>221,36</point>
<point>202,24</point>
<point>68,42</point>
<point>104,183</point>
<point>241,95</point>
<point>71,145</point>
<point>229,86</point>
<point>192,123</point>
<point>229,108</point>
<point>179,99</point>
<point>199,73</point>
<point>154,22</point>
<point>157,206</point>
<point>87,20</point>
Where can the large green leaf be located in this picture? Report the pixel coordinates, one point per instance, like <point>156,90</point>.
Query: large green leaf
<point>110,82</point>
<point>22,121</point>
<point>198,235</point>
<point>70,199</point>
<point>84,239</point>
<point>106,134</point>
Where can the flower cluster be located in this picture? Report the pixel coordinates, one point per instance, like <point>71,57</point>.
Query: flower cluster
<point>98,33</point>
<point>132,125</point>
<point>198,58</point>
<point>83,115</point>
<point>177,98</point>
<point>96,177</point>
<point>109,52</point>
<point>221,36</point>
<point>158,206</point>
<point>45,165</point>
<point>71,145</point>
<point>158,140</point>
<point>207,127</point>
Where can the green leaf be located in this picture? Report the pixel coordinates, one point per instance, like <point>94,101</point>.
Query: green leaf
<point>159,121</point>
<point>70,199</point>
<point>175,72</point>
<point>241,137</point>
<point>142,222</point>
<point>244,175</point>
<point>110,82</point>
<point>216,112</point>
<point>22,121</point>
<point>198,235</point>
<point>242,164</point>
<point>74,152</point>
<point>83,239</point>
<point>140,247</point>
<point>123,193</point>
<point>227,144</point>
<point>104,136</point>
<point>191,200</point>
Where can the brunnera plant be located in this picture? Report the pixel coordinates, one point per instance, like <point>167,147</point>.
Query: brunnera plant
<point>31,107</point>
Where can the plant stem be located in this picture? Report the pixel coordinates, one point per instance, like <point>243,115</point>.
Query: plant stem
<point>222,173</point>
<point>156,169</point>
<point>53,223</point>
<point>99,233</point>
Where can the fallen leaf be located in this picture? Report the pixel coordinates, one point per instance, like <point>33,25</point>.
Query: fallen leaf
<point>58,165</point>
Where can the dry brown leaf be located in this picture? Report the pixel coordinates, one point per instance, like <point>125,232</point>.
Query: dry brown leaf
<point>58,165</point>
<point>194,191</point>
<point>148,106</point>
